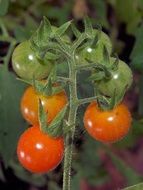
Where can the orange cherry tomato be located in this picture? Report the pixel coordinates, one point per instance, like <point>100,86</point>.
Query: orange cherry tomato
<point>51,104</point>
<point>107,126</point>
<point>38,152</point>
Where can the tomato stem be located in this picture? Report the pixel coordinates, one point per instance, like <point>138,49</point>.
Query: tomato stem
<point>69,139</point>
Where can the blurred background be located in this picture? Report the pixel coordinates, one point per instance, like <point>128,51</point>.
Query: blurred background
<point>95,167</point>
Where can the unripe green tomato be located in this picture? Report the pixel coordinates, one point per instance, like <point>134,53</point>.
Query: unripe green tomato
<point>95,55</point>
<point>121,78</point>
<point>26,65</point>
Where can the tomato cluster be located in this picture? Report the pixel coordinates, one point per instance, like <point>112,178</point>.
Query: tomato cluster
<point>112,124</point>
<point>37,152</point>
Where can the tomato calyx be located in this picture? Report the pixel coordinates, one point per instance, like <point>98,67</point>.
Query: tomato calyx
<point>58,126</point>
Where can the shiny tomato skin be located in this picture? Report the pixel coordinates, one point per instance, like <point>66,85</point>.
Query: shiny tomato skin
<point>121,78</point>
<point>26,65</point>
<point>52,105</point>
<point>107,126</point>
<point>38,152</point>
<point>95,55</point>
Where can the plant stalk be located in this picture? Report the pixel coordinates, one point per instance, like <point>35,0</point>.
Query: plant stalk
<point>69,139</point>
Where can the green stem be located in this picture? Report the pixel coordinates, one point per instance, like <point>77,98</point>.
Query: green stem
<point>87,100</point>
<point>69,139</point>
<point>8,56</point>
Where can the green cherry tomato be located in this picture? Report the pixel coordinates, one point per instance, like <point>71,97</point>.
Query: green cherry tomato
<point>121,78</point>
<point>26,65</point>
<point>95,54</point>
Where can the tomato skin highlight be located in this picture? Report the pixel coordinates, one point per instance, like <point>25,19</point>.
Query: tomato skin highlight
<point>38,152</point>
<point>26,65</point>
<point>95,54</point>
<point>121,78</point>
<point>52,105</point>
<point>107,126</point>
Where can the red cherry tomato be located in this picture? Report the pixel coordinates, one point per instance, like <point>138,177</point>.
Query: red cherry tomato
<point>107,126</point>
<point>38,152</point>
<point>52,105</point>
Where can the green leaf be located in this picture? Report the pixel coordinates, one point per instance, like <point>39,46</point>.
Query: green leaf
<point>34,179</point>
<point>127,171</point>
<point>137,51</point>
<point>133,17</point>
<point>4,4</point>
<point>21,34</point>
<point>101,12</point>
<point>138,186</point>
<point>62,29</point>
<point>11,120</point>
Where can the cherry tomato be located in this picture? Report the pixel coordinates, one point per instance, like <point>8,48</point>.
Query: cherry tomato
<point>107,126</point>
<point>38,152</point>
<point>95,54</point>
<point>26,65</point>
<point>51,104</point>
<point>121,78</point>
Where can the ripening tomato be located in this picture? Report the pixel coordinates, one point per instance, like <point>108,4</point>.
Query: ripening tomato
<point>95,54</point>
<point>107,126</point>
<point>26,64</point>
<point>38,152</point>
<point>121,78</point>
<point>52,105</point>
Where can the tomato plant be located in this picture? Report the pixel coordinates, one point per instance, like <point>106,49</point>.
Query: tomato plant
<point>38,152</point>
<point>24,59</point>
<point>107,126</point>
<point>51,104</point>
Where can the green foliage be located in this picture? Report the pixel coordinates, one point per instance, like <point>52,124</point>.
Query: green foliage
<point>4,4</point>
<point>88,165</point>
<point>137,52</point>
<point>126,170</point>
<point>11,120</point>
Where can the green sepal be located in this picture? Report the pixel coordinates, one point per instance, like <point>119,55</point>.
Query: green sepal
<point>96,39</point>
<point>106,56</point>
<point>114,100</point>
<point>42,34</point>
<point>88,27</point>
<point>76,32</point>
<point>57,89</point>
<point>62,29</point>
<point>51,56</point>
<point>26,81</point>
<point>42,115</point>
<point>114,66</point>
<point>47,89</point>
<point>96,76</point>
<point>103,103</point>
<point>55,128</point>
